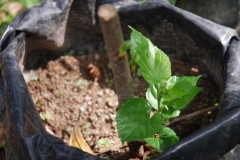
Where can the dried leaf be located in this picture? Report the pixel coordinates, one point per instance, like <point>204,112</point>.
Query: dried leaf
<point>77,140</point>
<point>94,71</point>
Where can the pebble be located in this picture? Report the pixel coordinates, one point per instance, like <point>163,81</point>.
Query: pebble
<point>89,103</point>
<point>100,93</point>
<point>82,109</point>
<point>66,109</point>
<point>99,100</point>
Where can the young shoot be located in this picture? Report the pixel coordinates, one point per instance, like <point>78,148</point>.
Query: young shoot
<point>147,119</point>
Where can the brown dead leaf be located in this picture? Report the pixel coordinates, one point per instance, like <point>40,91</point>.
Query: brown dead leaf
<point>94,71</point>
<point>77,140</point>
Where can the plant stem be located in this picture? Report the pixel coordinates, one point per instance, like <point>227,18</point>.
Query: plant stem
<point>113,38</point>
<point>192,115</point>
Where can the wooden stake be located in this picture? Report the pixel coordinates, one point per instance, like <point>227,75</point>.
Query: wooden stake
<point>113,38</point>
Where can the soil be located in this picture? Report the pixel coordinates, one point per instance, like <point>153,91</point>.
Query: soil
<point>79,91</point>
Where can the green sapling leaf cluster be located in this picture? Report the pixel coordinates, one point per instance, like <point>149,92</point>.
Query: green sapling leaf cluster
<point>146,119</point>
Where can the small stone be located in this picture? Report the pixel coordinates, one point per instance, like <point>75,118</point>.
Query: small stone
<point>89,103</point>
<point>82,109</point>
<point>99,100</point>
<point>100,93</point>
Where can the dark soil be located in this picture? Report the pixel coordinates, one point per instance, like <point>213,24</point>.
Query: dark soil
<point>66,95</point>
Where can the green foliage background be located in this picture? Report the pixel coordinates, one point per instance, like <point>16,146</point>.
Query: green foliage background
<point>5,15</point>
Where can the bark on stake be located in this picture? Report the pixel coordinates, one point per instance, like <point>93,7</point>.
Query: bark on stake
<point>113,38</point>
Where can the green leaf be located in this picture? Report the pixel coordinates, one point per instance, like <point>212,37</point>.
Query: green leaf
<point>154,63</point>
<point>173,2</point>
<point>170,113</point>
<point>152,96</point>
<point>165,138</point>
<point>45,116</point>
<point>29,3</point>
<point>180,91</point>
<point>134,121</point>
<point>169,137</point>
<point>154,142</point>
<point>125,46</point>
<point>104,143</point>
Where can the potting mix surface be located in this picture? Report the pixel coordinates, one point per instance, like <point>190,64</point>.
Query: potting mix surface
<point>78,92</point>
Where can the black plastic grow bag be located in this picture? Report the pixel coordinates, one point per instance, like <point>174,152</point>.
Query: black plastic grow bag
<point>57,25</point>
